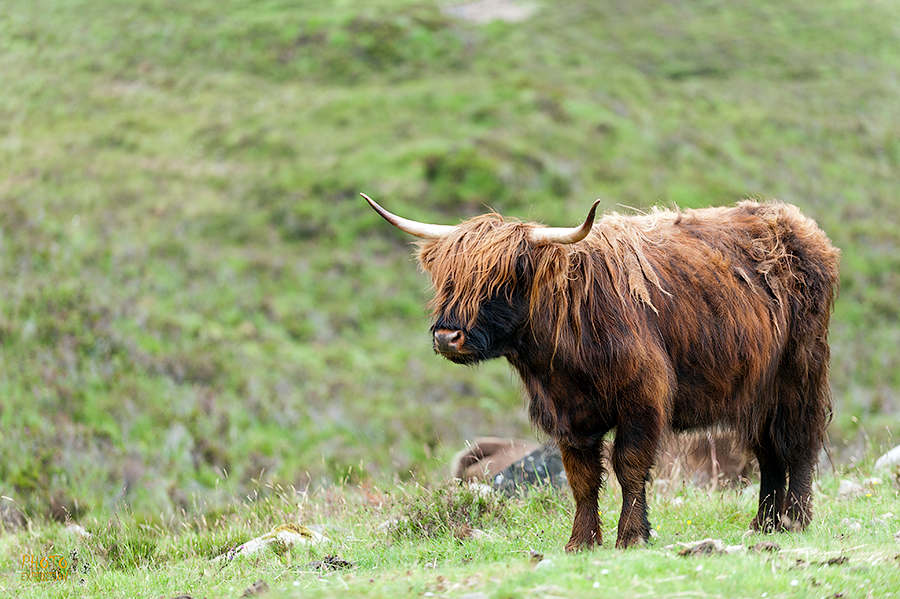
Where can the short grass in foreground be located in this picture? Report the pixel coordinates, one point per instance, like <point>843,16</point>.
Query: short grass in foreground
<point>449,540</point>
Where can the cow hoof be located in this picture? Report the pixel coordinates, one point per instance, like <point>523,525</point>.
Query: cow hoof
<point>795,519</point>
<point>627,542</point>
<point>788,523</point>
<point>765,525</point>
<point>577,545</point>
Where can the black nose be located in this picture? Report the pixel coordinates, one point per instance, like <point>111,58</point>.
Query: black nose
<point>449,341</point>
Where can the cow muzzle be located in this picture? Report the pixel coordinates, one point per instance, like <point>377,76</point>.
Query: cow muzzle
<point>450,343</point>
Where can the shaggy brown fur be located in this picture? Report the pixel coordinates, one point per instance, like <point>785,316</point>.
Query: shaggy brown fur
<point>711,318</point>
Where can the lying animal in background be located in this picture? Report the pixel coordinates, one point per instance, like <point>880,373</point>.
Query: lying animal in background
<point>708,318</point>
<point>510,465</point>
<point>487,457</point>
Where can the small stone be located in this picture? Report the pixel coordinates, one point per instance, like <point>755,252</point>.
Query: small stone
<point>545,564</point>
<point>891,458</point>
<point>288,534</point>
<point>849,490</point>
<point>331,562</point>
<point>766,546</point>
<point>257,588</point>
<point>77,530</point>
<point>388,525</point>
<point>704,547</point>
<point>479,535</point>
<point>481,489</point>
<point>852,523</point>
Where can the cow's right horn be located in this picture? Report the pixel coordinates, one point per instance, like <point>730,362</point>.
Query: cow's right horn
<point>423,230</point>
<point>545,235</point>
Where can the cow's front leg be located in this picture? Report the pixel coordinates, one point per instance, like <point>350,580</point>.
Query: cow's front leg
<point>633,456</point>
<point>584,470</point>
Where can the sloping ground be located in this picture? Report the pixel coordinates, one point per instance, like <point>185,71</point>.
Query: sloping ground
<point>194,297</point>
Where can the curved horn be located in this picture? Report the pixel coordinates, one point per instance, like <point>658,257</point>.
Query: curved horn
<point>423,230</point>
<point>545,235</point>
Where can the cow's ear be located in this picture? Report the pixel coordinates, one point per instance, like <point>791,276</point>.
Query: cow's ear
<point>522,268</point>
<point>527,263</point>
<point>424,258</point>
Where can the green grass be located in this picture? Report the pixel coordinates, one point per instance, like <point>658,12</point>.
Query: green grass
<point>191,290</point>
<point>409,540</point>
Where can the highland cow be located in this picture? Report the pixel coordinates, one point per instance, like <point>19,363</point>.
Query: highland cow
<point>682,320</point>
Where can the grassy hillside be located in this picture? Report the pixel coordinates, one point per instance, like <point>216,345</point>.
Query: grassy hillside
<point>193,294</point>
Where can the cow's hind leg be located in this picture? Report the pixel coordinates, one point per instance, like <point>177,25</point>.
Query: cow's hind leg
<point>634,452</point>
<point>584,471</point>
<point>799,501</point>
<point>798,427</point>
<point>805,434</point>
<point>773,479</point>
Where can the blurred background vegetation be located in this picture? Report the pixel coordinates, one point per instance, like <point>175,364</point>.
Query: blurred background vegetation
<point>195,301</point>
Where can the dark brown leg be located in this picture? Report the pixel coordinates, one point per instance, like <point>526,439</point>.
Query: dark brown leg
<point>796,431</point>
<point>773,479</point>
<point>807,434</point>
<point>801,465</point>
<point>799,501</point>
<point>584,469</point>
<point>634,452</point>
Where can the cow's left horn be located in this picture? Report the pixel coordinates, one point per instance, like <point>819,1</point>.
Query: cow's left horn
<point>543,236</point>
<point>423,230</point>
